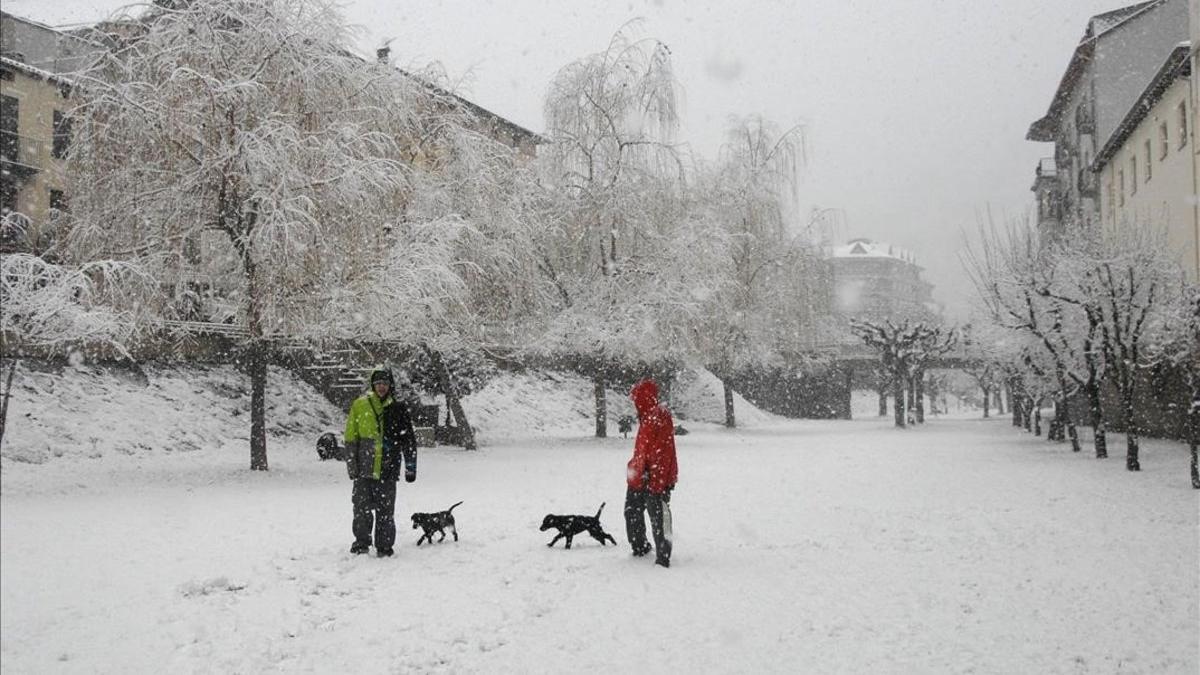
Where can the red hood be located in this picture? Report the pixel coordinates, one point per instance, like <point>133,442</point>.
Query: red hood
<point>645,396</point>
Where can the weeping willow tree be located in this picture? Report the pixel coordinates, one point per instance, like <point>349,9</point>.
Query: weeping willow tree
<point>751,196</point>
<point>237,145</point>
<point>624,294</point>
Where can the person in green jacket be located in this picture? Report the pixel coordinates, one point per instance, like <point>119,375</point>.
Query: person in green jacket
<point>379,436</point>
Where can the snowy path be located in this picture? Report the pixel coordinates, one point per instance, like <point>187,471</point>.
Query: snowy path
<point>964,546</point>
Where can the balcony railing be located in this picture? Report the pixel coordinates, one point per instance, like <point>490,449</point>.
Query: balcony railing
<point>1088,183</point>
<point>22,150</point>
<point>1085,121</point>
<point>1047,168</point>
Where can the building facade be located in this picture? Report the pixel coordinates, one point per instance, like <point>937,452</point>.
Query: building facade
<point>35,128</point>
<point>877,281</point>
<point>1147,168</point>
<point>1119,54</point>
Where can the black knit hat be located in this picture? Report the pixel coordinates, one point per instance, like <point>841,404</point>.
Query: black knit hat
<point>381,374</point>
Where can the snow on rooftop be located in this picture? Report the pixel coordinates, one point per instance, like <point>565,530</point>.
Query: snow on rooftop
<point>866,248</point>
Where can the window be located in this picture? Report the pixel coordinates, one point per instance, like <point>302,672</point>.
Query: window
<point>1146,147</point>
<point>1133,174</point>
<point>1111,191</point>
<point>1163,144</point>
<point>62,135</point>
<point>1121,187</point>
<point>10,143</point>
<point>1183,123</point>
<point>58,200</point>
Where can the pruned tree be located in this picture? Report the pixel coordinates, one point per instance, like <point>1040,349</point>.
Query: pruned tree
<point>1135,285</point>
<point>905,350</point>
<point>1181,349</point>
<point>1013,274</point>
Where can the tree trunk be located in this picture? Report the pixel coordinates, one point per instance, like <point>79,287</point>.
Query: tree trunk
<point>898,400</point>
<point>256,368</point>
<point>1056,424</point>
<point>987,394</point>
<point>919,383</point>
<point>1195,463</point>
<point>730,421</point>
<point>1194,436</point>
<point>999,400</point>
<point>1097,414</point>
<point>1018,411</point>
<point>1037,421</point>
<point>847,411</point>
<point>1072,430</point>
<point>12,368</point>
<point>256,362</point>
<point>910,403</point>
<point>1028,411</point>
<point>1131,435</point>
<point>882,402</point>
<point>601,407</point>
<point>453,400</point>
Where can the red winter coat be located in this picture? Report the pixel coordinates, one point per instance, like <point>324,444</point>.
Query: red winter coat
<point>653,466</point>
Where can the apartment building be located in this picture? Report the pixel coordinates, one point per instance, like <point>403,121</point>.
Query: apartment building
<point>1148,166</point>
<point>876,280</point>
<point>35,128</point>
<point>1120,52</point>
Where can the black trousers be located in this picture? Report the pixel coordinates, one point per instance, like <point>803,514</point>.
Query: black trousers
<point>374,500</point>
<point>659,507</point>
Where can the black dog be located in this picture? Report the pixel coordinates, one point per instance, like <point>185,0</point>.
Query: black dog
<point>435,522</point>
<point>569,526</point>
<point>328,448</point>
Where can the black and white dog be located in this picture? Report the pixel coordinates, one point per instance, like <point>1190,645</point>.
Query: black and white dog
<point>435,522</point>
<point>569,526</point>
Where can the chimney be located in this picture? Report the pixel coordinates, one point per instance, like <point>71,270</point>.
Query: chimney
<point>381,54</point>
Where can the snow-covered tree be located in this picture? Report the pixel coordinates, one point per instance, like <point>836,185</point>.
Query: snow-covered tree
<point>905,350</point>
<point>237,145</point>
<point>1181,348</point>
<point>1135,283</point>
<point>626,291</point>
<point>1020,288</point>
<point>750,194</point>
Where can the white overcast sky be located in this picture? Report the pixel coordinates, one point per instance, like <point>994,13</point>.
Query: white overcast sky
<point>915,110</point>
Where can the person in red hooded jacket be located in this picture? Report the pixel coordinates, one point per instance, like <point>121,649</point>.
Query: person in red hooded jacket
<point>651,475</point>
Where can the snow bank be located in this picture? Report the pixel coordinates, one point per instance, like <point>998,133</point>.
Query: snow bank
<point>74,413</point>
<point>77,412</point>
<point>700,396</point>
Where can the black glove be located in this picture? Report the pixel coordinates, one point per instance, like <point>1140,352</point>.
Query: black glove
<point>410,476</point>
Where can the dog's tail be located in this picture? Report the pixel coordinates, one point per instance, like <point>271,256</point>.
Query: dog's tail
<point>452,508</point>
<point>600,509</point>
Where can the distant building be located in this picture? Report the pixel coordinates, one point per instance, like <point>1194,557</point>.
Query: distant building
<point>35,129</point>
<point>1120,53</point>
<point>1147,168</point>
<point>875,280</point>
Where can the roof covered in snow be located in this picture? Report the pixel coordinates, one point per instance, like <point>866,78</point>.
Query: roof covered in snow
<point>863,247</point>
<point>1176,66</point>
<point>1098,26</point>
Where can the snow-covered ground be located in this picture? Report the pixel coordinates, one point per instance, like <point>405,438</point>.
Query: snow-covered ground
<point>133,539</point>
